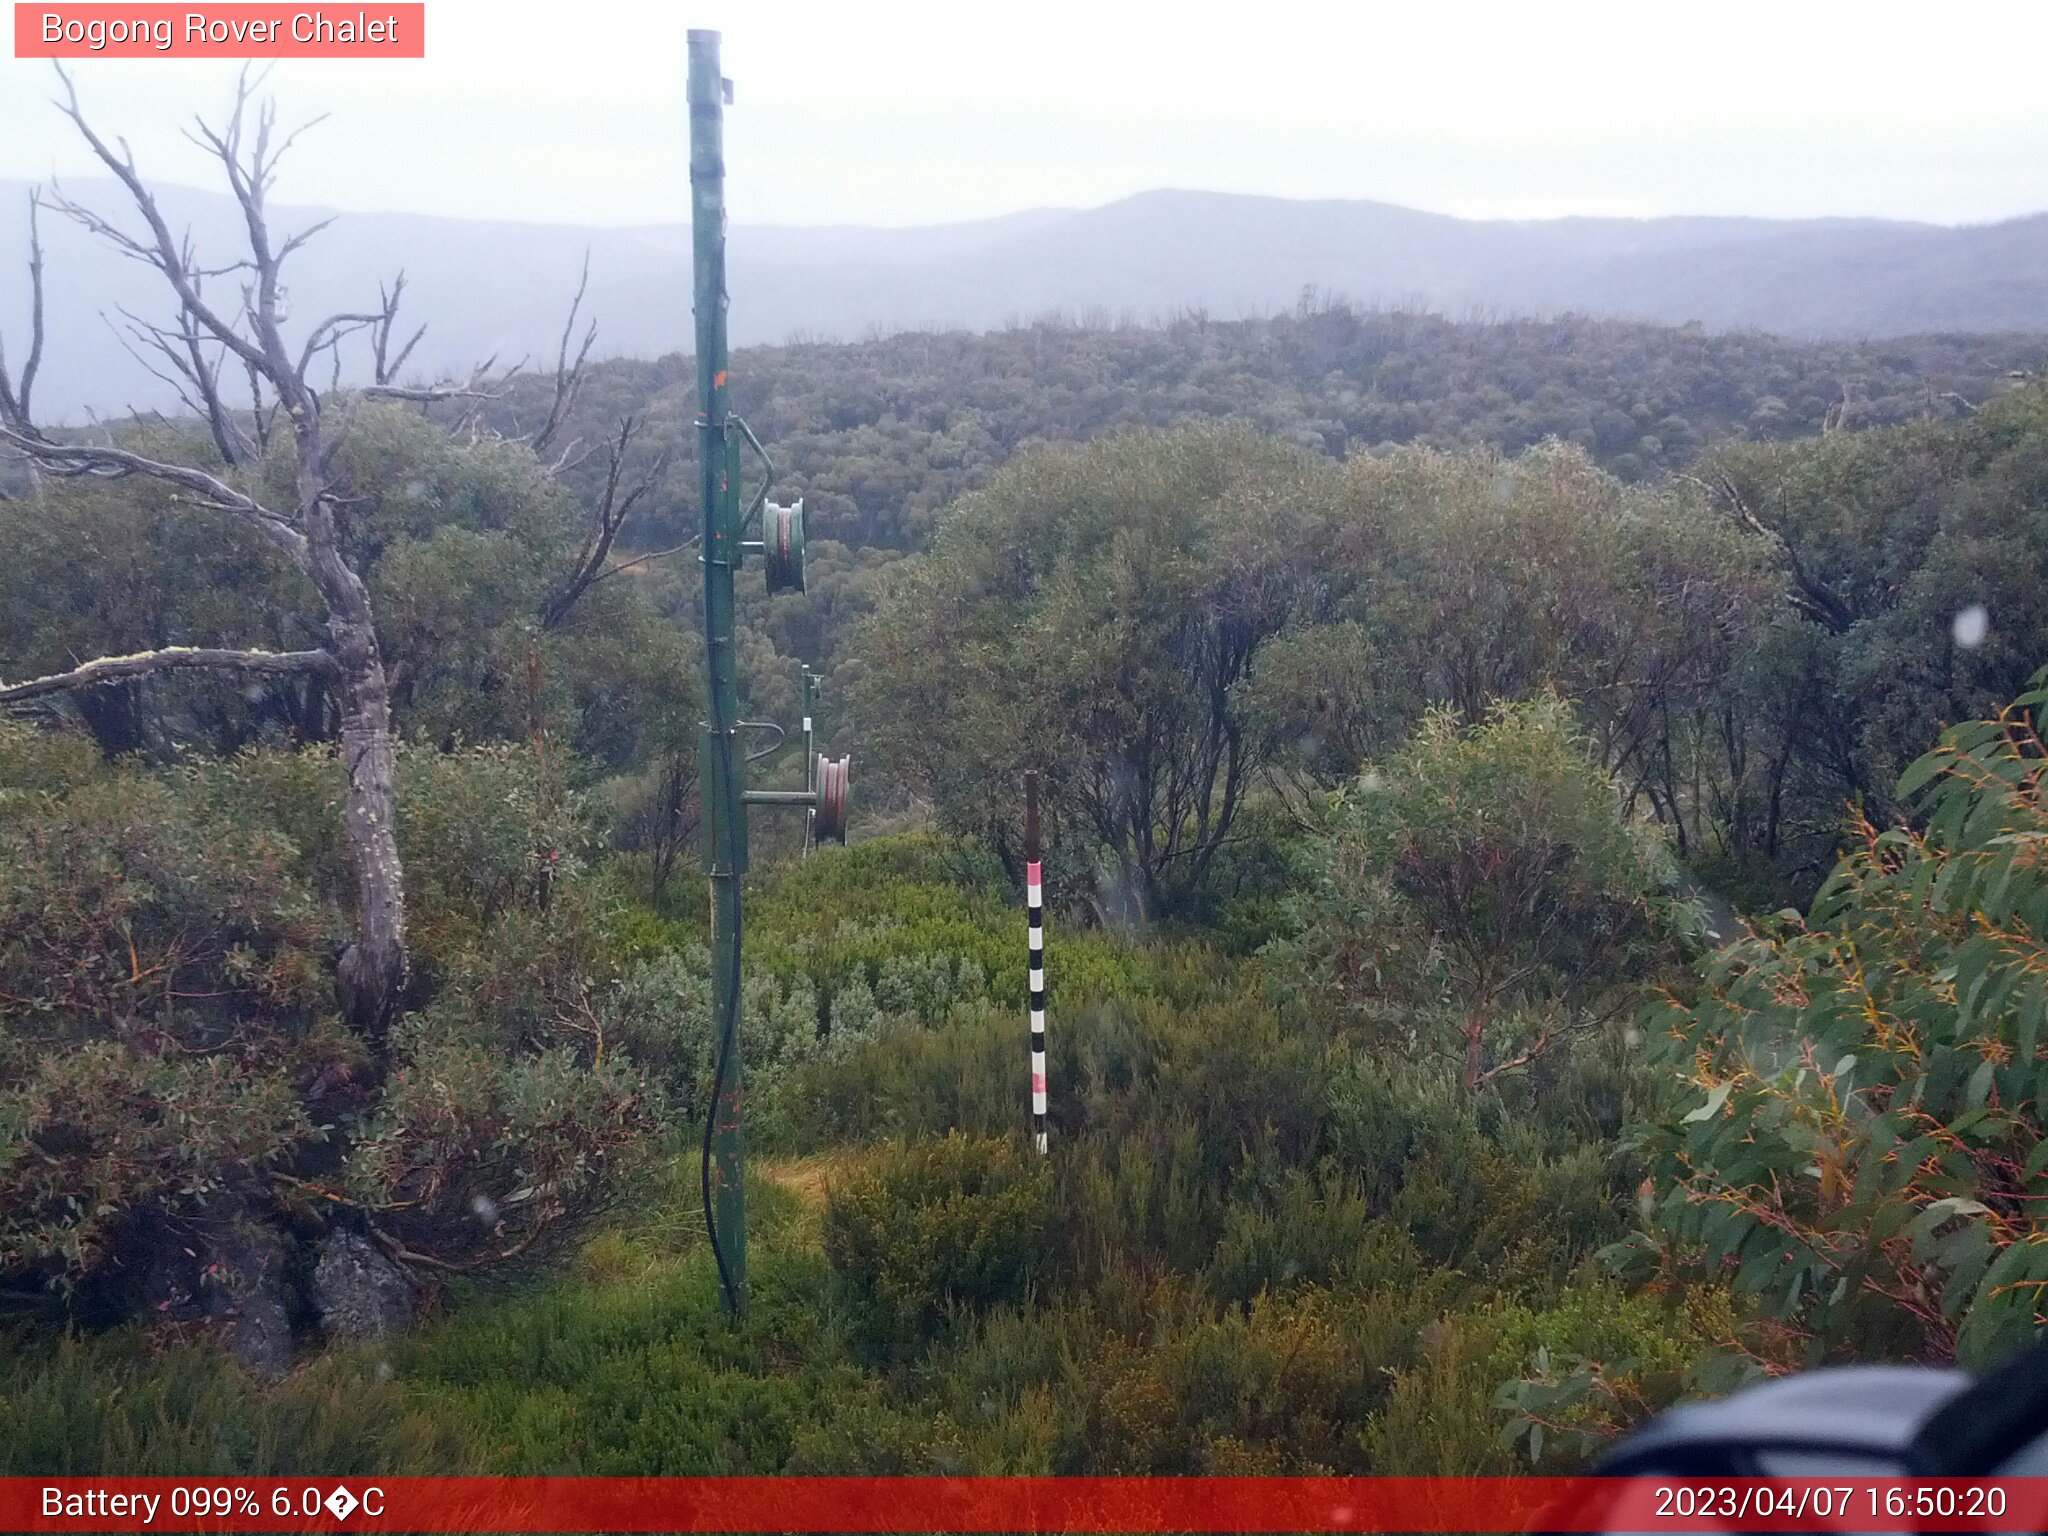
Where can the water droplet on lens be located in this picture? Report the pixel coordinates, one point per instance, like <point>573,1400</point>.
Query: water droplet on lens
<point>1971,626</point>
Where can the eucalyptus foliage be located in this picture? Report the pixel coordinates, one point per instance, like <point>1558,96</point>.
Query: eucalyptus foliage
<point>1098,615</point>
<point>1480,895</point>
<point>1861,1150</point>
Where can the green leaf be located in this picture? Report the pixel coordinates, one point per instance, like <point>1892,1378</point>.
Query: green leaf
<point>1939,1211</point>
<point>1921,771</point>
<point>1715,1099</point>
<point>2037,1159</point>
<point>1980,1083</point>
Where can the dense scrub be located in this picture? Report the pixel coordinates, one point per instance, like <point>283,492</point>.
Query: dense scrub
<point>883,436</point>
<point>1475,900</point>
<point>1256,1248</point>
<point>175,1085</point>
<point>1169,627</point>
<point>1377,791</point>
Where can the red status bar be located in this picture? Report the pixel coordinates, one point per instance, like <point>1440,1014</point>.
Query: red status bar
<point>1039,1504</point>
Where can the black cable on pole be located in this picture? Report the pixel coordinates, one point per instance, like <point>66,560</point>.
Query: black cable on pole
<point>711,1125</point>
<point>729,1025</point>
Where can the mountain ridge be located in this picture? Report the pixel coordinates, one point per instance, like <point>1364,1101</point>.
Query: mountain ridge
<point>501,287</point>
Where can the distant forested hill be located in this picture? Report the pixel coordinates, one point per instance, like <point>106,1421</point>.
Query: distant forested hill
<point>880,435</point>
<point>499,288</point>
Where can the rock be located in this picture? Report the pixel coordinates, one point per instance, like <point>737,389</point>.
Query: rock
<point>359,1291</point>
<point>170,1285</point>
<point>243,1290</point>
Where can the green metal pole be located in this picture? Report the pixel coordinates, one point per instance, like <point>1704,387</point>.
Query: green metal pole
<point>810,758</point>
<point>724,826</point>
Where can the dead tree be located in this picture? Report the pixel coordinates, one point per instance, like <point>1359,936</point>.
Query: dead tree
<point>215,349</point>
<point>231,367</point>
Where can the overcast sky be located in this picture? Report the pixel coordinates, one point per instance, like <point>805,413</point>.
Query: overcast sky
<point>571,111</point>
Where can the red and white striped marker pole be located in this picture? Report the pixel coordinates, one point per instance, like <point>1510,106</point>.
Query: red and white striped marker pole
<point>1034,901</point>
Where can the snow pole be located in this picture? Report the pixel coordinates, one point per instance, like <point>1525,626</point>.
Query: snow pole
<point>1034,900</point>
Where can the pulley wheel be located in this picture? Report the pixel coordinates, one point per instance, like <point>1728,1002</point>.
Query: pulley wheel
<point>782,546</point>
<point>830,823</point>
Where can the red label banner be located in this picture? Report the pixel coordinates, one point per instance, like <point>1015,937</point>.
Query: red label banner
<point>240,31</point>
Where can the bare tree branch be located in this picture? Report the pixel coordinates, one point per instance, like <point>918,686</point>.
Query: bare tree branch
<point>104,462</point>
<point>478,387</point>
<point>185,348</point>
<point>314,228</point>
<point>568,375</point>
<point>176,658</point>
<point>647,559</point>
<point>16,397</point>
<point>140,334</point>
<point>262,414</point>
<point>251,183</point>
<point>1810,593</point>
<point>162,251</point>
<point>331,332</point>
<point>196,380</point>
<point>430,394</point>
<point>385,366</point>
<point>613,509</point>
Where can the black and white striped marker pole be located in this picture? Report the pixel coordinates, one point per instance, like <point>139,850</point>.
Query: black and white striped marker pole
<point>1034,899</point>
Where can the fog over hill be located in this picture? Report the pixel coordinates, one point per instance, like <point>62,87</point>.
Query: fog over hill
<point>487,287</point>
